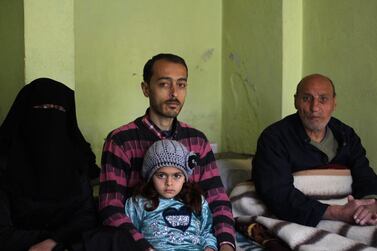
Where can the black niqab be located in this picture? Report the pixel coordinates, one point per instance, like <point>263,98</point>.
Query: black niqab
<point>42,151</point>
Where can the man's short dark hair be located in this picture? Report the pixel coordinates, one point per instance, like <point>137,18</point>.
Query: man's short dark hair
<point>148,67</point>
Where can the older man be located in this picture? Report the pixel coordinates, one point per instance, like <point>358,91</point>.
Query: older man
<point>311,139</point>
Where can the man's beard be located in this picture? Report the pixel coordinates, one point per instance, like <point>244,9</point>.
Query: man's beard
<point>315,127</point>
<point>170,113</point>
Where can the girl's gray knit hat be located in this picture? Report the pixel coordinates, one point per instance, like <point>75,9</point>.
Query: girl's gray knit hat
<point>168,152</point>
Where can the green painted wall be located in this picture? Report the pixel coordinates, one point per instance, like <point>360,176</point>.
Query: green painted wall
<point>11,53</point>
<point>244,56</point>
<point>340,40</point>
<point>252,71</point>
<point>292,53</point>
<point>113,40</point>
<point>49,40</point>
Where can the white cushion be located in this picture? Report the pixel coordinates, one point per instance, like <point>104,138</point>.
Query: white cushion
<point>234,171</point>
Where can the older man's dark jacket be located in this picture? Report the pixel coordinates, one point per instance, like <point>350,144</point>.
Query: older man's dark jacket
<point>284,148</point>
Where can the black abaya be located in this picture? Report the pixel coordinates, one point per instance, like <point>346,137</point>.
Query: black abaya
<point>45,164</point>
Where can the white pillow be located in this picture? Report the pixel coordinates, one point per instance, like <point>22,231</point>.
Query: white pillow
<point>234,171</point>
<point>326,185</point>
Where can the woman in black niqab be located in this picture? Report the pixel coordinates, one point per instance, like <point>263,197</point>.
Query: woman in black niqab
<point>45,164</point>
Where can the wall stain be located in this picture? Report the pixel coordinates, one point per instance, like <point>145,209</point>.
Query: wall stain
<point>233,57</point>
<point>199,68</point>
<point>207,55</point>
<point>242,105</point>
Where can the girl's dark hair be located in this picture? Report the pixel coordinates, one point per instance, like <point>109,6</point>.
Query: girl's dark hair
<point>190,195</point>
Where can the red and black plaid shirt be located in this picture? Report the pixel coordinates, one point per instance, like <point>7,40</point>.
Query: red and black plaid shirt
<point>122,160</point>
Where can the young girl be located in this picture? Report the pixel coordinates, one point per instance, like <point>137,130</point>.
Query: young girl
<point>170,211</point>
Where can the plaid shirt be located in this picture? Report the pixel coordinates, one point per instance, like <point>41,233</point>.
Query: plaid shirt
<point>122,161</point>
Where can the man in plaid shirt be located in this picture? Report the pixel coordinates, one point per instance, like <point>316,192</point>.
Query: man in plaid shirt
<point>165,84</point>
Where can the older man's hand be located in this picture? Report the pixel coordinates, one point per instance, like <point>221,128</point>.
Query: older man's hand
<point>347,212</point>
<point>366,215</point>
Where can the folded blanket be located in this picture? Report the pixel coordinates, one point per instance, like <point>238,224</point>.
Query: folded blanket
<point>260,234</point>
<point>329,186</point>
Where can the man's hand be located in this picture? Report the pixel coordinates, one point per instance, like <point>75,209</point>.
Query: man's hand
<point>226,247</point>
<point>46,245</point>
<point>366,215</point>
<point>346,212</point>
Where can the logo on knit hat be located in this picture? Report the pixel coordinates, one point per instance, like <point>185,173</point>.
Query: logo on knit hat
<point>168,152</point>
<point>193,161</point>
